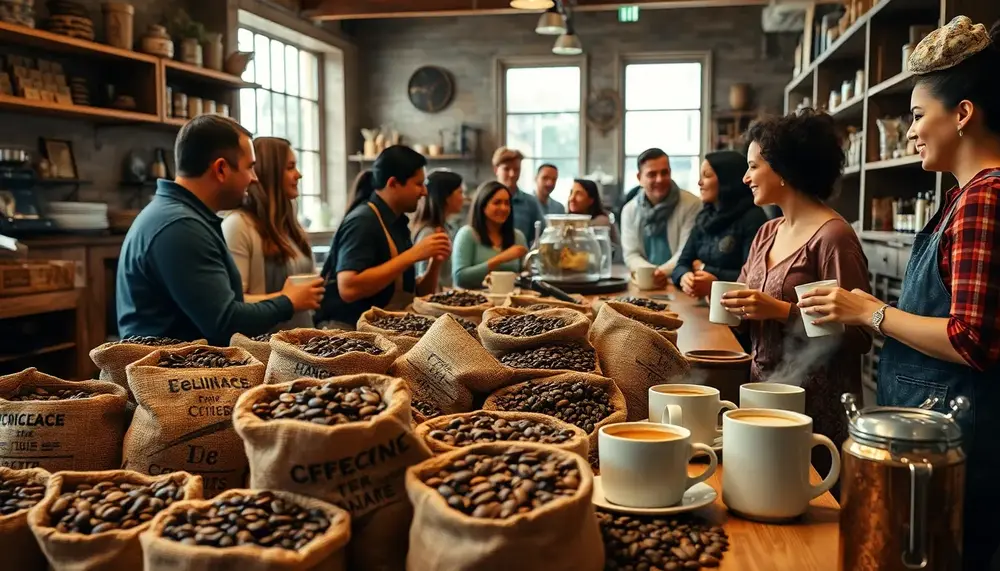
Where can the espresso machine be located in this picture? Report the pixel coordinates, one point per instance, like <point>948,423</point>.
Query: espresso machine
<point>19,210</point>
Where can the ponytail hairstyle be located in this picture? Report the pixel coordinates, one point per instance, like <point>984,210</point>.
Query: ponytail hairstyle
<point>361,190</point>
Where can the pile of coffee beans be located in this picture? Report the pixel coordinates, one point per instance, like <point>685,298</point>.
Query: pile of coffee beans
<point>469,326</point>
<point>327,346</point>
<point>578,403</point>
<point>409,324</point>
<point>148,340</point>
<point>202,358</point>
<point>632,543</point>
<point>539,307</point>
<point>40,393</point>
<point>567,356</point>
<point>525,325</point>
<point>15,497</point>
<point>456,298</point>
<point>644,302</point>
<point>426,409</point>
<point>323,404</point>
<point>515,481</point>
<point>257,519</point>
<point>108,506</point>
<point>482,427</point>
<point>263,337</point>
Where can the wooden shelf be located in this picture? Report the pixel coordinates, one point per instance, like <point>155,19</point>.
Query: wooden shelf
<point>850,171</point>
<point>31,37</point>
<point>364,159</point>
<point>909,160</point>
<point>179,68</point>
<point>851,109</point>
<point>798,83</point>
<point>5,358</point>
<point>174,121</point>
<point>849,44</point>
<point>34,304</point>
<point>895,85</point>
<point>98,114</point>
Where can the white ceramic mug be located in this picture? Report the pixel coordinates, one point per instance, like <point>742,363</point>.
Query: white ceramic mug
<point>649,472</point>
<point>773,395</point>
<point>695,407</point>
<point>807,320</point>
<point>501,283</point>
<point>767,456</point>
<point>303,278</point>
<point>643,277</point>
<point>716,311</point>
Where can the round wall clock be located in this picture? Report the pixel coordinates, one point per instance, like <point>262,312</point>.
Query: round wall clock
<point>604,110</point>
<point>431,89</point>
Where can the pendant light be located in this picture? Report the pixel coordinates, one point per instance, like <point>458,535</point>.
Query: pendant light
<point>532,4</point>
<point>568,44</point>
<point>551,23</point>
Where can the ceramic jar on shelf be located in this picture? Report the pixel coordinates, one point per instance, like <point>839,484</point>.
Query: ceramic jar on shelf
<point>157,42</point>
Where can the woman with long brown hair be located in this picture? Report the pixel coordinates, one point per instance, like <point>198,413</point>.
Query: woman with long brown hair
<point>264,236</point>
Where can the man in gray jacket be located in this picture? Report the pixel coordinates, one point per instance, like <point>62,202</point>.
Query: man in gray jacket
<point>657,222</point>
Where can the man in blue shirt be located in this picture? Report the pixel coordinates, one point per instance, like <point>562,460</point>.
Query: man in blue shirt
<point>545,182</point>
<point>176,277</point>
<point>525,208</point>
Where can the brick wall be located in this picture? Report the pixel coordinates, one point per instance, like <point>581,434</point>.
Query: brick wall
<point>390,50</point>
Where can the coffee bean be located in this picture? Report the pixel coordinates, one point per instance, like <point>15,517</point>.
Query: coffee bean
<point>457,298</point>
<point>469,326</point>
<point>148,340</point>
<point>498,485</point>
<point>578,403</point>
<point>556,356</point>
<point>539,307</point>
<point>652,326</point>
<point>409,324</point>
<point>636,542</point>
<point>40,393</point>
<point>260,519</point>
<point>263,337</point>
<point>107,506</point>
<point>199,358</point>
<point>17,496</point>
<point>484,427</point>
<point>329,346</point>
<point>322,404</point>
<point>426,409</point>
<point>644,302</point>
<point>525,325</point>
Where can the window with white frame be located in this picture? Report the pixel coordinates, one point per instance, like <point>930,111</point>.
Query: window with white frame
<point>287,105</point>
<point>541,118</point>
<point>664,108</point>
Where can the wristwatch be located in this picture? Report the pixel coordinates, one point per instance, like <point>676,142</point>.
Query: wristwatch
<point>878,317</point>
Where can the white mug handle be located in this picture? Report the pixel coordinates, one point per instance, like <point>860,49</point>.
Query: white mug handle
<point>672,415</point>
<point>724,405</point>
<point>830,478</point>
<point>697,447</point>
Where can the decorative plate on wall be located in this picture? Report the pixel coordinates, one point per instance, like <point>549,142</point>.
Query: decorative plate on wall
<point>604,110</point>
<point>431,89</point>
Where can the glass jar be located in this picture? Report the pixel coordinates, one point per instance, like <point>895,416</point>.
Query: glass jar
<point>603,234</point>
<point>568,250</point>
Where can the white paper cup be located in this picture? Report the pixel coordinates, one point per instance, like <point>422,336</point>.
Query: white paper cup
<point>774,396</point>
<point>501,282</point>
<point>817,330</point>
<point>303,278</point>
<point>716,311</point>
<point>643,277</point>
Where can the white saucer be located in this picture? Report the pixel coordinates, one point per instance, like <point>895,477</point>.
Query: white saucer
<point>698,496</point>
<point>717,448</point>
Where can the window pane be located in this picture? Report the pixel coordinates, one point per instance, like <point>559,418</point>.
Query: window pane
<point>683,170</point>
<point>309,167</point>
<point>545,135</point>
<point>280,116</point>
<point>277,66</point>
<point>309,74</point>
<point>539,89</point>
<point>310,209</point>
<point>310,126</point>
<point>244,40</point>
<point>249,72</point>
<point>264,128</point>
<point>292,70</point>
<point>293,129</point>
<point>248,109</point>
<point>568,170</point>
<point>663,86</point>
<point>676,132</point>
<point>262,58</point>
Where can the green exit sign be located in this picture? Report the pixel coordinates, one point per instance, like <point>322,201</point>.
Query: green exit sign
<point>628,14</point>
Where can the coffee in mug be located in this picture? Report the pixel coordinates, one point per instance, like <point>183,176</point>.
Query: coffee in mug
<point>768,455</point>
<point>773,395</point>
<point>695,407</point>
<point>644,464</point>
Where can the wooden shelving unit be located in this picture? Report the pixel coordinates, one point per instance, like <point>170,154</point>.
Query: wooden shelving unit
<point>728,128</point>
<point>49,325</point>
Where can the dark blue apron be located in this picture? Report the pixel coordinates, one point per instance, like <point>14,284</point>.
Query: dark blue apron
<point>907,377</point>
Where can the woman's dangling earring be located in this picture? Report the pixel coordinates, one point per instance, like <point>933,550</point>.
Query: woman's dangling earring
<point>782,183</point>
<point>959,131</point>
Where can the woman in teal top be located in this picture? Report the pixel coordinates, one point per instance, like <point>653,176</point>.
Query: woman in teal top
<point>490,241</point>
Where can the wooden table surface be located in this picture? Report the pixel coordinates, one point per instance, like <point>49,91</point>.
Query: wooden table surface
<point>808,544</point>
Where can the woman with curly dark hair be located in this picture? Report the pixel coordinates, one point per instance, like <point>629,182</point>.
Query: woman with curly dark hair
<point>943,335</point>
<point>794,162</point>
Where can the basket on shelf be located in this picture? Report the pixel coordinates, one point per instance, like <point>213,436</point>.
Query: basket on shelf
<point>19,277</point>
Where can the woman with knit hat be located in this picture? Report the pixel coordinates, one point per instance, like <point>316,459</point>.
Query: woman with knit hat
<point>943,335</point>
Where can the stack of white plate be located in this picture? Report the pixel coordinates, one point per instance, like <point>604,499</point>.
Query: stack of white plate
<point>79,215</point>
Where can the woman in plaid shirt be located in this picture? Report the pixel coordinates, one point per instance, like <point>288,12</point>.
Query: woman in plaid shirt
<point>943,335</point>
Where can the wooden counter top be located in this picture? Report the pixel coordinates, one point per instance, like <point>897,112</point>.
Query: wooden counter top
<point>70,240</point>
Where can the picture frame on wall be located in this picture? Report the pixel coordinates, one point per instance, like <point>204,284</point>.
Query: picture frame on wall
<point>59,153</point>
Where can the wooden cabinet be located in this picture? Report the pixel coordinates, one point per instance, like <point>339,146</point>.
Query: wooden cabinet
<point>47,331</point>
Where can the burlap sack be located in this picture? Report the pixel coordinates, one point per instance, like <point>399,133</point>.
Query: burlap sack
<point>447,365</point>
<point>184,419</point>
<point>17,544</point>
<point>325,553</point>
<point>403,342</point>
<point>117,550</point>
<point>289,362</point>
<point>562,535</point>
<point>261,350</point>
<point>113,357</point>
<point>619,410</point>
<point>651,359</point>
<point>474,313</point>
<point>525,301</point>
<point>575,329</point>
<point>518,375</point>
<point>600,302</point>
<point>79,434</point>
<point>358,466</point>
<point>579,444</point>
<point>665,323</point>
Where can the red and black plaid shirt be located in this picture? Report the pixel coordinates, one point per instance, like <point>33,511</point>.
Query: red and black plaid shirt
<point>970,267</point>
